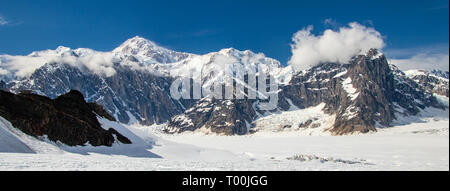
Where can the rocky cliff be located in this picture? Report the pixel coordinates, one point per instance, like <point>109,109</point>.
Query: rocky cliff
<point>67,119</point>
<point>363,95</point>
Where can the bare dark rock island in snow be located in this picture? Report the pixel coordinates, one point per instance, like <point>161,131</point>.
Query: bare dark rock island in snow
<point>67,119</point>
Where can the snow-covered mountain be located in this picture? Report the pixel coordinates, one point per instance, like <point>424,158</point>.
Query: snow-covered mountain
<point>148,52</point>
<point>133,83</point>
<point>361,96</point>
<point>435,81</point>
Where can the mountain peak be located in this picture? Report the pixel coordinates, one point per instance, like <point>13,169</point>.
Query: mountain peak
<point>235,52</point>
<point>374,53</point>
<point>228,49</point>
<point>62,49</point>
<point>133,45</point>
<point>140,40</point>
<point>148,51</point>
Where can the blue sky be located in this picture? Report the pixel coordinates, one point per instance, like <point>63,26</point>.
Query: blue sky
<point>408,27</point>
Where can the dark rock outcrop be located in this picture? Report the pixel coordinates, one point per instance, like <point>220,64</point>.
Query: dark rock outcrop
<point>99,110</point>
<point>68,118</point>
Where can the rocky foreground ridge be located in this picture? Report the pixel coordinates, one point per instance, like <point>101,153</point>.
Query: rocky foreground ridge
<point>68,119</point>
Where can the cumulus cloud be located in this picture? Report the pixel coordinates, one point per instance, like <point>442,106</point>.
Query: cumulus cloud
<point>333,45</point>
<point>423,61</point>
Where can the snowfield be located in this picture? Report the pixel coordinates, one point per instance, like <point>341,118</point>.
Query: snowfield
<point>415,143</point>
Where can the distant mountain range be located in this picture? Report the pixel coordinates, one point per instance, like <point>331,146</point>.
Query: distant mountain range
<point>132,83</point>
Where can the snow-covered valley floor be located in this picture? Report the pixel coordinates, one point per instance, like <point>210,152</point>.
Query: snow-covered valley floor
<point>422,145</point>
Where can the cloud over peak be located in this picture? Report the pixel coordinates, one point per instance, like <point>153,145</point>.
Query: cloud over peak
<point>338,46</point>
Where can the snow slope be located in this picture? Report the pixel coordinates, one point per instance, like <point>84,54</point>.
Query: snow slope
<point>414,144</point>
<point>139,148</point>
<point>145,145</point>
<point>9,140</point>
<point>15,141</point>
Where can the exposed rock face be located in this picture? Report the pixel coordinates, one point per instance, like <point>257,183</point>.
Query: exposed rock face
<point>364,97</point>
<point>99,110</point>
<point>410,96</point>
<point>373,83</point>
<point>68,118</point>
<point>363,94</point>
<point>227,117</point>
<point>435,81</point>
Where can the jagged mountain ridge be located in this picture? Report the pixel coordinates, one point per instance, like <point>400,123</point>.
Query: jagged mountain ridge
<point>434,81</point>
<point>148,52</point>
<point>363,95</point>
<point>138,91</point>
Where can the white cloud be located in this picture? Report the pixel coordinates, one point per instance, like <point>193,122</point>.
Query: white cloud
<point>21,66</point>
<point>332,46</point>
<point>100,63</point>
<point>424,61</point>
<point>3,21</point>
